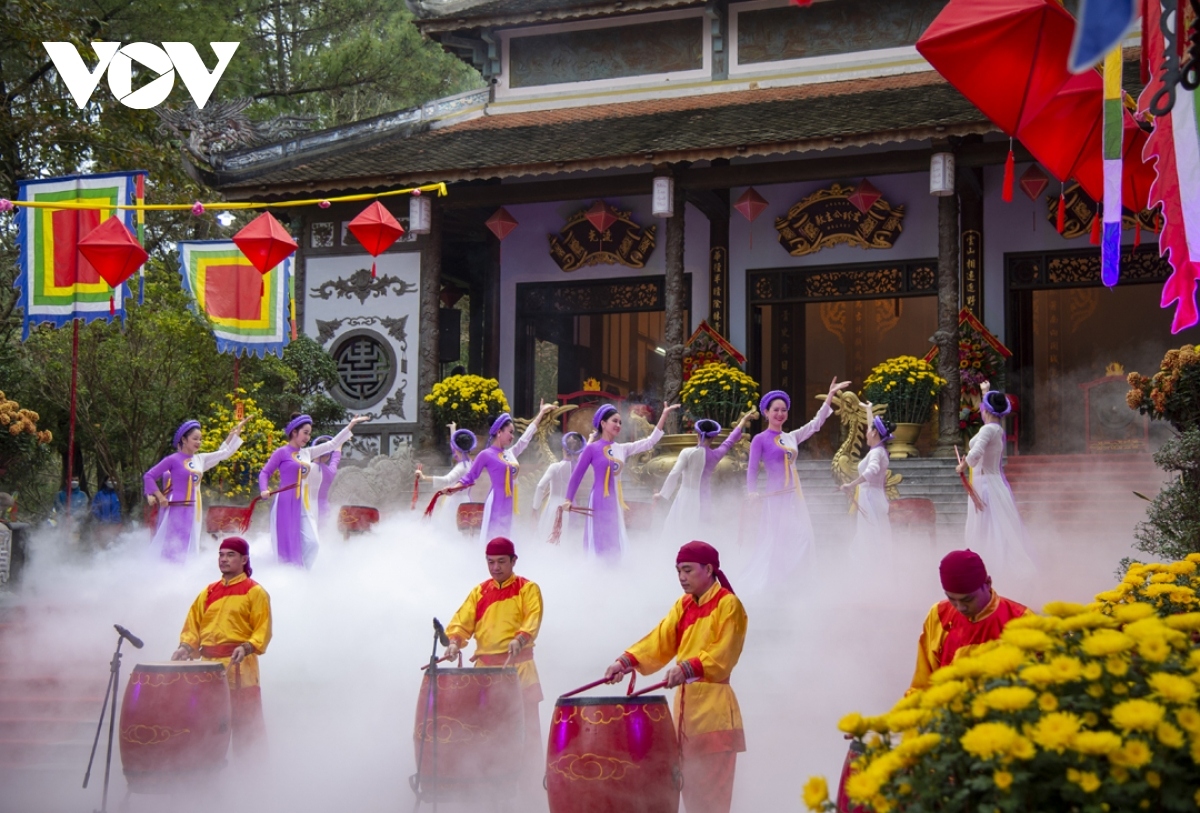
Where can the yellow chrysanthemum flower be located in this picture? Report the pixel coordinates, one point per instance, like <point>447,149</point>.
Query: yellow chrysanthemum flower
<point>1009,698</point>
<point>1066,668</point>
<point>1088,621</point>
<point>938,696</point>
<point>1106,642</point>
<point>1002,779</point>
<point>1184,621</point>
<point>1061,609</point>
<point>1169,735</point>
<point>1173,688</point>
<point>1189,720</point>
<point>1035,640</point>
<point>1047,702</point>
<point>987,740</point>
<point>1133,754</point>
<point>853,724</point>
<point>816,793</point>
<point>1096,743</point>
<point>1137,715</point>
<point>1056,730</point>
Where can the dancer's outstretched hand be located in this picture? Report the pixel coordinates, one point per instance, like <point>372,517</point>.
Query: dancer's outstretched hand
<point>836,386</point>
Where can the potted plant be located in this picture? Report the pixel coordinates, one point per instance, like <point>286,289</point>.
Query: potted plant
<point>1085,708</point>
<point>470,401</point>
<point>909,386</point>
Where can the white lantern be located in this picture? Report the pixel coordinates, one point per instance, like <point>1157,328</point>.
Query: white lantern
<point>663,199</point>
<point>420,214</point>
<point>941,174</point>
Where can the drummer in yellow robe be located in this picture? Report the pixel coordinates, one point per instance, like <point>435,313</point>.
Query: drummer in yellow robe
<point>230,622</point>
<point>704,633</point>
<point>504,614</point>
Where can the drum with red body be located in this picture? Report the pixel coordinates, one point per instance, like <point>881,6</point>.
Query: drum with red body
<point>470,516</point>
<point>227,519</point>
<point>174,724</point>
<point>612,755</point>
<point>356,519</point>
<point>639,516</point>
<point>479,720</point>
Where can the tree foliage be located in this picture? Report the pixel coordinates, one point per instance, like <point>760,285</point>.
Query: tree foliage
<point>1172,526</point>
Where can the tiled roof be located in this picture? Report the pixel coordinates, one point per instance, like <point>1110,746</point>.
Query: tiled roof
<point>451,15</point>
<point>737,124</point>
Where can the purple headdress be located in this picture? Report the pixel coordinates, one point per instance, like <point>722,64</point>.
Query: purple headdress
<point>707,428</point>
<point>573,443</point>
<point>499,424</point>
<point>881,428</point>
<point>182,431</point>
<point>771,396</point>
<point>602,414</point>
<point>321,439</point>
<point>986,404</point>
<point>462,443</point>
<point>295,423</point>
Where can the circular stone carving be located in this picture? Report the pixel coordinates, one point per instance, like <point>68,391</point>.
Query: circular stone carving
<point>366,367</point>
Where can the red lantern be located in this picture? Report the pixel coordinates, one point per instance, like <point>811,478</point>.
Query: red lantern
<point>864,196</point>
<point>600,216</point>
<point>114,252</point>
<point>376,229</point>
<point>1034,182</point>
<point>751,205</point>
<point>265,242</point>
<point>501,223</point>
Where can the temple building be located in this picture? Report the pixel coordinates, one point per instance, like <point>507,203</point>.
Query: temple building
<point>633,167</point>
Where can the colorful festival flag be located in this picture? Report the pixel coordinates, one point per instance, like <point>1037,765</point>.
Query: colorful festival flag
<point>1175,143</point>
<point>248,310</point>
<point>1102,26</point>
<point>57,283</point>
<point>1114,133</point>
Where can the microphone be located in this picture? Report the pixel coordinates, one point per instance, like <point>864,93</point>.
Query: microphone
<point>443,639</point>
<point>128,636</point>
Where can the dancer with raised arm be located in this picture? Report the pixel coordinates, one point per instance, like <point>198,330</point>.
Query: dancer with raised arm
<point>328,464</point>
<point>604,532</point>
<point>462,443</point>
<point>996,531</point>
<point>690,480</point>
<point>502,467</point>
<point>180,501</point>
<point>868,493</point>
<point>552,488</point>
<point>785,533</point>
<point>294,511</point>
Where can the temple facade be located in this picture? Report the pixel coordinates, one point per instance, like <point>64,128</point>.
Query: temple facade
<point>633,167</point>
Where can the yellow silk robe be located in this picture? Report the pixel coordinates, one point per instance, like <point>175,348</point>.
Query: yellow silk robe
<point>495,614</point>
<point>705,637</point>
<point>233,612</point>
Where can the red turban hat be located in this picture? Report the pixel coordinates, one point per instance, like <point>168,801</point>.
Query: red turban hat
<point>962,571</point>
<point>236,543</point>
<point>703,553</point>
<point>501,546</point>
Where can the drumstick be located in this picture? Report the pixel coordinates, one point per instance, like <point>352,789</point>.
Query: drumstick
<point>967,484</point>
<point>591,685</point>
<point>648,689</point>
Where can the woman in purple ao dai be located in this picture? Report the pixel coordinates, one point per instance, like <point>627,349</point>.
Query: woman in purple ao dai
<point>180,501</point>
<point>785,532</point>
<point>500,462</point>
<point>604,532</point>
<point>462,443</point>
<point>294,511</point>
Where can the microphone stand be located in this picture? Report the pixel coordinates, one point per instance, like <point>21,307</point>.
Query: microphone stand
<point>114,684</point>
<point>431,673</point>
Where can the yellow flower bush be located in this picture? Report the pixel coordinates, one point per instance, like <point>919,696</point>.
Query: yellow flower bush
<point>1087,708</point>
<point>238,476</point>
<point>467,400</point>
<point>908,385</point>
<point>719,392</point>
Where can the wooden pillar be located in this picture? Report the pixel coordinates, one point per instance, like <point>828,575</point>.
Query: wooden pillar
<point>428,367</point>
<point>674,305</point>
<point>946,336</point>
<point>718,268</point>
<point>970,202</point>
<point>491,318</point>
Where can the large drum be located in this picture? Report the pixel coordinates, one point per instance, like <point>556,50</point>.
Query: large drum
<point>227,519</point>
<point>479,720</point>
<point>470,516</point>
<point>612,755</point>
<point>174,724</point>
<point>356,519</point>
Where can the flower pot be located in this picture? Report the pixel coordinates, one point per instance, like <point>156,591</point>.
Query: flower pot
<point>904,440</point>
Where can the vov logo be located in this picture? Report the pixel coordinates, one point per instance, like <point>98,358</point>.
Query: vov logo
<point>118,61</point>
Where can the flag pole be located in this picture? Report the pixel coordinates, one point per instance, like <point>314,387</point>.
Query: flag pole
<point>71,421</point>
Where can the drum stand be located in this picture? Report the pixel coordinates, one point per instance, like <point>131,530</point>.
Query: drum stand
<point>114,685</point>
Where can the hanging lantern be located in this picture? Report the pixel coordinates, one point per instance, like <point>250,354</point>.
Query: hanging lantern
<point>265,242</point>
<point>1034,182</point>
<point>663,198</point>
<point>600,216</point>
<point>501,223</point>
<point>114,252</point>
<point>941,174</point>
<point>751,204</point>
<point>420,214</point>
<point>376,230</point>
<point>864,196</point>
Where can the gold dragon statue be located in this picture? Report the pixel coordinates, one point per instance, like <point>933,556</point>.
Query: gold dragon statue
<point>853,415</point>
